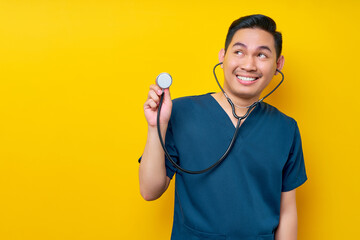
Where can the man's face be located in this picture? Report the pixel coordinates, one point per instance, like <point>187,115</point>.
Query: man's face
<point>249,63</point>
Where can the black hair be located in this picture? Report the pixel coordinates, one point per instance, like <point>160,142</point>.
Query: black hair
<point>256,21</point>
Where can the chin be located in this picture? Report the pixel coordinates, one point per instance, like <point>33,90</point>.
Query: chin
<point>247,96</point>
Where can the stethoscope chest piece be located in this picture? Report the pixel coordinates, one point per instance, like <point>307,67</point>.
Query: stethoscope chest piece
<point>164,80</point>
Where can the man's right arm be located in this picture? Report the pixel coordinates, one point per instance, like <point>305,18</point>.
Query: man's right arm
<point>152,171</point>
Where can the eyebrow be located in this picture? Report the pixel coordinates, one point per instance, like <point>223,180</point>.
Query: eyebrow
<point>243,45</point>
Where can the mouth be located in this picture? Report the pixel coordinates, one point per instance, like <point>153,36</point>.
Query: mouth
<point>246,80</point>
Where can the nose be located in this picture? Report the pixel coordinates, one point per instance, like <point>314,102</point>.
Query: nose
<point>248,64</point>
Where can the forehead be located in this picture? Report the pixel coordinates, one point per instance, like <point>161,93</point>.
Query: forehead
<point>253,37</point>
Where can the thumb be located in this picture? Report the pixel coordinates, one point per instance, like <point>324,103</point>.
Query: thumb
<point>167,97</point>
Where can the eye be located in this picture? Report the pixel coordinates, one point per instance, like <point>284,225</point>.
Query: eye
<point>239,52</point>
<point>261,55</point>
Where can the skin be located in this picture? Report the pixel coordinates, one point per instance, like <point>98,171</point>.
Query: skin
<point>251,53</point>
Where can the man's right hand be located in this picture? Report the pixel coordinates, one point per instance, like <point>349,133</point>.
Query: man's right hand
<point>152,103</point>
<point>152,172</point>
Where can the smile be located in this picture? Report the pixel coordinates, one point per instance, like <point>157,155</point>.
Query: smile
<point>247,79</point>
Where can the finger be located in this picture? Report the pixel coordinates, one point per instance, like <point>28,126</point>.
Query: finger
<point>156,89</point>
<point>153,104</point>
<point>150,104</point>
<point>154,96</point>
<point>167,97</point>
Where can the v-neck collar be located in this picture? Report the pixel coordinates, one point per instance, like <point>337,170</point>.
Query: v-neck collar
<point>219,110</point>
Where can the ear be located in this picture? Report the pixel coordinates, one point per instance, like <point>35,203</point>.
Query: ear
<point>280,63</point>
<point>222,55</point>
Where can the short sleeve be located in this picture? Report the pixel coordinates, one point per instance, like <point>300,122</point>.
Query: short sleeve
<point>294,173</point>
<point>171,149</point>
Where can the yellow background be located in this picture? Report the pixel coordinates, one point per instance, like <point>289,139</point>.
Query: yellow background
<point>74,76</point>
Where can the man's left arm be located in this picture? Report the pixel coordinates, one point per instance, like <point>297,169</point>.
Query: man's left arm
<point>287,229</point>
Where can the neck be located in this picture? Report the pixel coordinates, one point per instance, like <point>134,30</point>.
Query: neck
<point>240,104</point>
<point>238,101</point>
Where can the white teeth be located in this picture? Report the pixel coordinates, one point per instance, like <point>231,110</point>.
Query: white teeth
<point>246,78</point>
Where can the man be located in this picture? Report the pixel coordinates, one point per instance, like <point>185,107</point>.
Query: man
<point>251,194</point>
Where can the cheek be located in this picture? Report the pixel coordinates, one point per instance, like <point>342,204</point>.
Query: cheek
<point>268,75</point>
<point>228,70</point>
<point>268,70</point>
<point>230,63</point>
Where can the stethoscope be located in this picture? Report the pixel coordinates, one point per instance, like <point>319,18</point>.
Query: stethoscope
<point>164,80</point>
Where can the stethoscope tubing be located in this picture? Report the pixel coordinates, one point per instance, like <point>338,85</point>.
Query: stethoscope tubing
<point>189,171</point>
<point>239,118</point>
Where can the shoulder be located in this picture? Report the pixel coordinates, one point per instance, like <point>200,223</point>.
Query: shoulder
<point>275,116</point>
<point>195,99</point>
<point>191,102</point>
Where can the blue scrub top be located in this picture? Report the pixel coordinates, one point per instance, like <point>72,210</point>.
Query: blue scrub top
<point>239,199</point>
